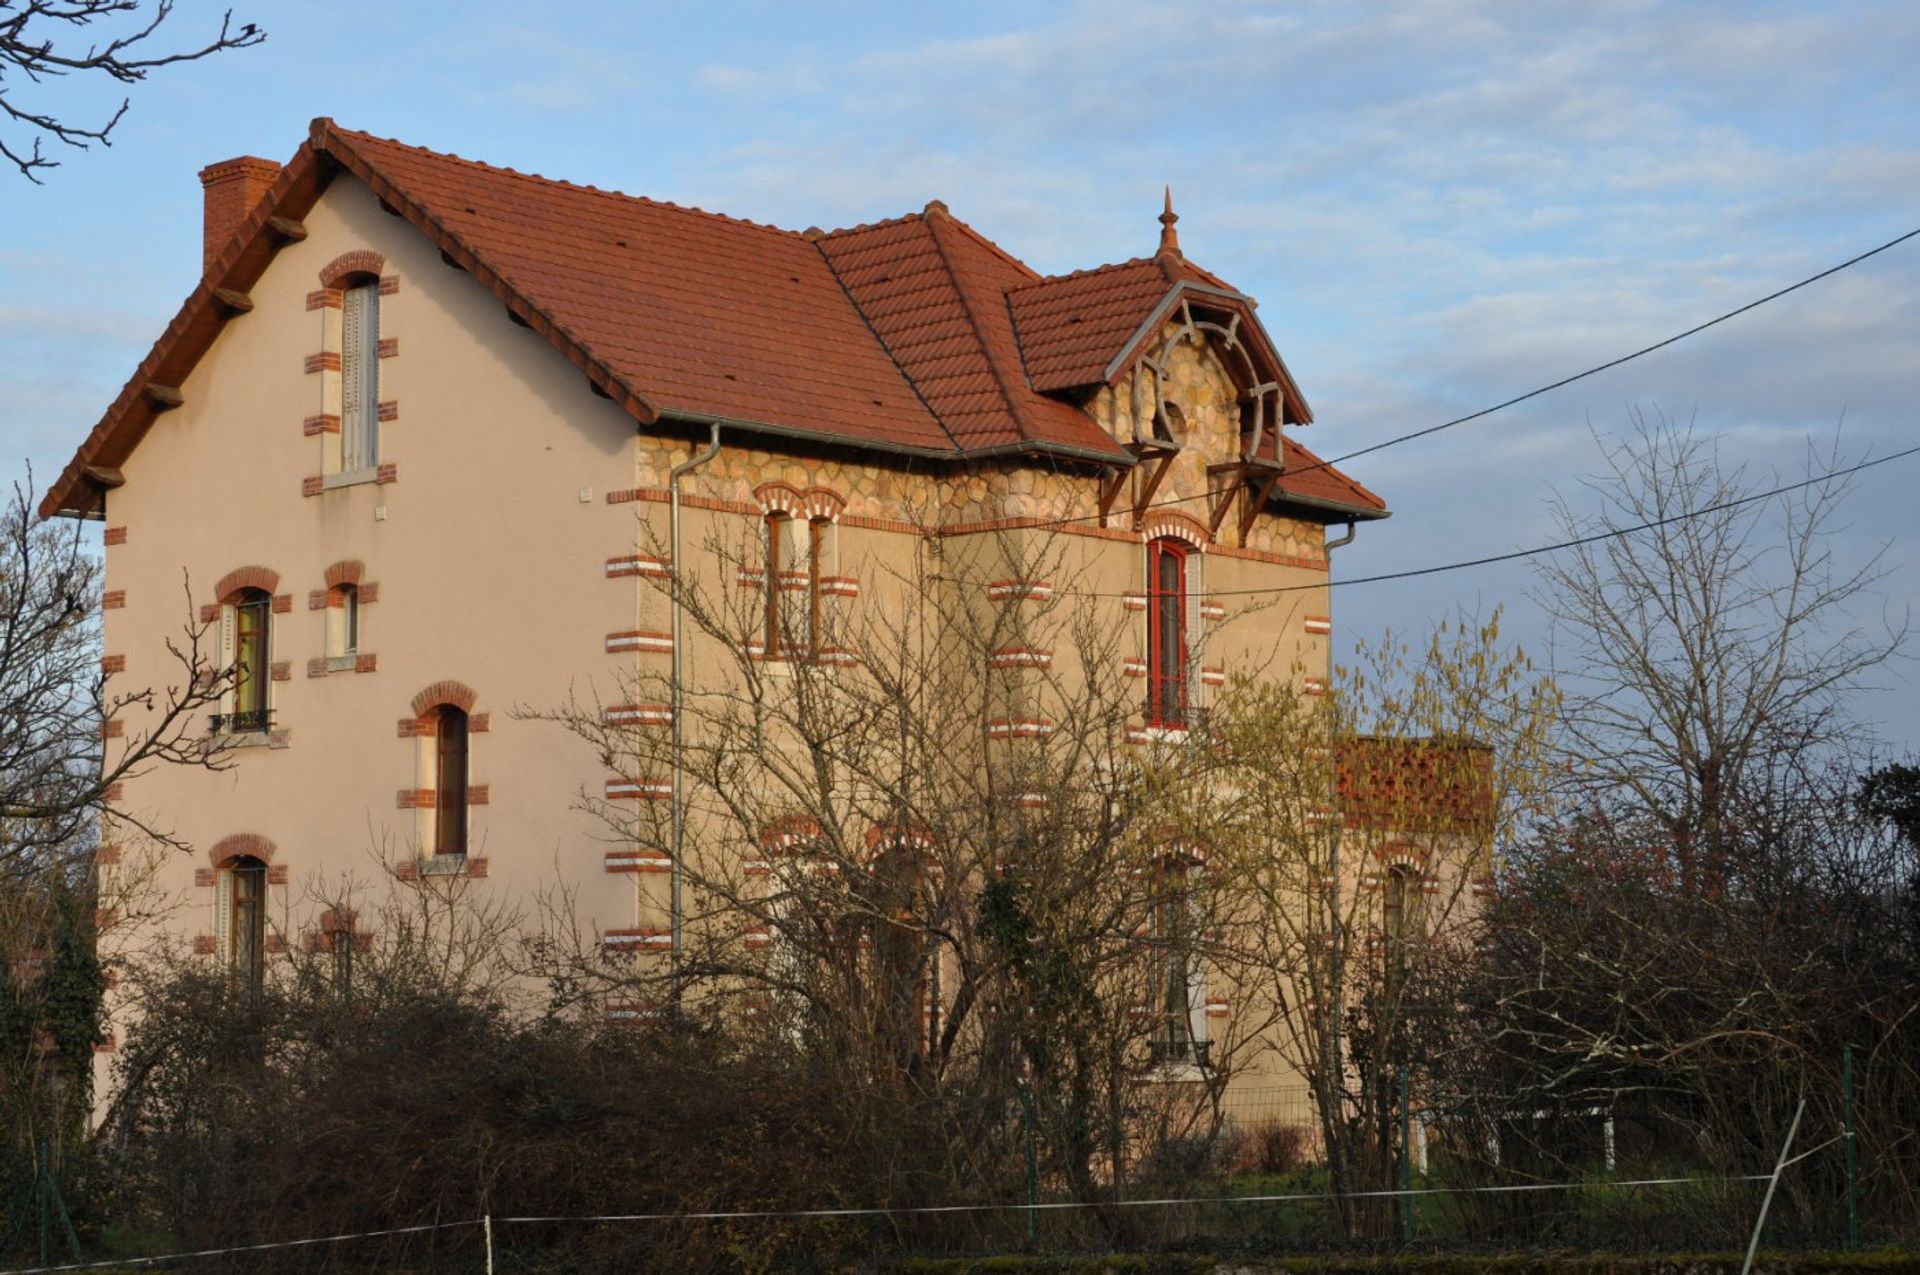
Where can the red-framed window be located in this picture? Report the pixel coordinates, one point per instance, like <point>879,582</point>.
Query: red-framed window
<point>1166,633</point>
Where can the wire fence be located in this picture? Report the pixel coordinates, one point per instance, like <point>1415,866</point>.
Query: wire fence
<point>1250,1178</point>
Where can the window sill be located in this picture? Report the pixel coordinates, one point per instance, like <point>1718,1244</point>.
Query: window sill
<point>224,739</point>
<point>349,478</point>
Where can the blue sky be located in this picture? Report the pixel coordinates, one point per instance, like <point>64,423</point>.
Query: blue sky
<point>1438,205</point>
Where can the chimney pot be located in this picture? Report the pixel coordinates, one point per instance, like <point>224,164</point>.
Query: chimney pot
<point>233,188</point>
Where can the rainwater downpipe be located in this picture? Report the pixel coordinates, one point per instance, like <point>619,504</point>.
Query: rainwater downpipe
<point>1337,987</point>
<point>678,693</point>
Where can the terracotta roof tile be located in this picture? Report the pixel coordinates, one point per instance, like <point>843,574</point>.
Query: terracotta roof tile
<point>700,314</point>
<point>916,334</point>
<point>1073,326</point>
<point>1313,481</point>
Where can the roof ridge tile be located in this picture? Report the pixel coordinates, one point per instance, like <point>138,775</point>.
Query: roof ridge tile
<point>587,188</point>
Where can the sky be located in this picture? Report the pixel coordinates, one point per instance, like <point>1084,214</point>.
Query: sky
<point>1438,205</point>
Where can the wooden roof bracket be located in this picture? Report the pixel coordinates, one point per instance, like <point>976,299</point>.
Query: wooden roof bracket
<point>1143,499</point>
<point>1257,502</point>
<point>1221,495</point>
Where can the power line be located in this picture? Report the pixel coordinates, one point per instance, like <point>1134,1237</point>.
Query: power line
<point>1530,394</point>
<point>1613,533</point>
<point>1624,358</point>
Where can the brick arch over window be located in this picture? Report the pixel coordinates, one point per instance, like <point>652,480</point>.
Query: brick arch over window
<point>458,694</point>
<point>796,832</point>
<point>344,573</point>
<point>260,578</point>
<point>349,264</point>
<point>1176,526</point>
<point>241,845</point>
<point>1401,854</point>
<point>810,505</point>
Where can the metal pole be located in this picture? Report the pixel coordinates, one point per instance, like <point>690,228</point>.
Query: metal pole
<point>679,695</point>
<point>1853,1165</point>
<point>486,1223</point>
<point>1753,1245</point>
<point>1406,1162</point>
<point>1033,1165</point>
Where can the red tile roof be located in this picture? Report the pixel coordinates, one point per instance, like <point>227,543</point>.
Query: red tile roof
<point>1308,480</point>
<point>916,335</point>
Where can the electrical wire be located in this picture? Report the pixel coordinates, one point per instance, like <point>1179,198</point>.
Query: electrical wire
<point>1612,533</point>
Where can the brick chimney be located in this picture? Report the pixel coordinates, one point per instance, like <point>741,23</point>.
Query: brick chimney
<point>233,188</point>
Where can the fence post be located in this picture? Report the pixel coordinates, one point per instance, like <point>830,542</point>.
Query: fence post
<point>1406,1162</point>
<point>1033,1165</point>
<point>1773,1183</point>
<point>486,1224</point>
<point>1853,1167</point>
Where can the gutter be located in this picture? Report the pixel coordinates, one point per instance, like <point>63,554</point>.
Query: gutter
<point>1040,447</point>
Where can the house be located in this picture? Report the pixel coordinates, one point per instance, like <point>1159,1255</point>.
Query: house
<point>413,441</point>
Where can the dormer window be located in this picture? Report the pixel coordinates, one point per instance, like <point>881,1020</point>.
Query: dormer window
<point>360,376</point>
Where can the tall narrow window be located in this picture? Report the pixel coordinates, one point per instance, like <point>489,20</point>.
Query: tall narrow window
<point>340,947</point>
<point>795,552</point>
<point>450,782</point>
<point>1173,985</point>
<point>247,922</point>
<point>252,623</point>
<point>343,624</point>
<point>360,378</point>
<point>1394,906</point>
<point>816,554</point>
<point>350,618</point>
<point>1166,633</point>
<point>779,538</point>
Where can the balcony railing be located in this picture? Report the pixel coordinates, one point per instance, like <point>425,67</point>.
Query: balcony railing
<point>1163,1052</point>
<point>251,722</point>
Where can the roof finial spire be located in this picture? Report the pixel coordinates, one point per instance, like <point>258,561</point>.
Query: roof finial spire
<point>1169,238</point>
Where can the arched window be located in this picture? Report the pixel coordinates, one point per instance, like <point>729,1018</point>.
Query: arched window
<point>1175,1000</point>
<point>795,552</point>
<point>450,781</point>
<point>244,909</point>
<point>1167,632</point>
<point>343,621</point>
<point>360,375</point>
<point>252,620</point>
<point>1396,910</point>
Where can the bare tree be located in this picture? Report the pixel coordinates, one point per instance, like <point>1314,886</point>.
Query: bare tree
<point>1366,825</point>
<point>38,41</point>
<point>1707,657</point>
<point>68,734</point>
<point>943,876</point>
